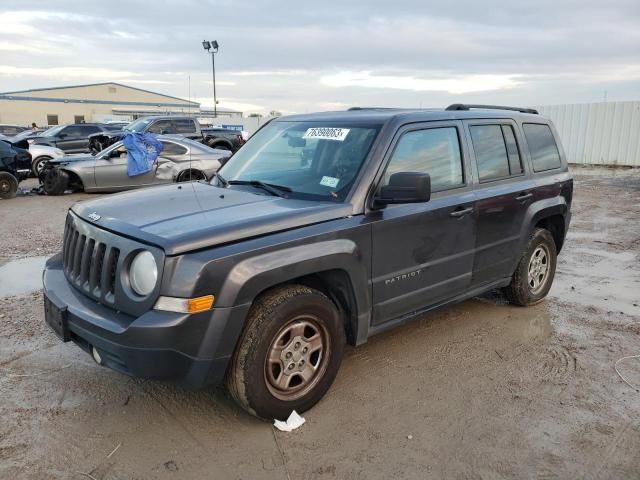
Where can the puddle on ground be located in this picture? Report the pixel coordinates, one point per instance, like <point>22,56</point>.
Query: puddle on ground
<point>20,277</point>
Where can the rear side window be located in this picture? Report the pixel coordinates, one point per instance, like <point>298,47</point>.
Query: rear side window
<point>185,126</point>
<point>542,146</point>
<point>161,126</point>
<point>171,148</point>
<point>496,151</point>
<point>89,129</point>
<point>435,151</point>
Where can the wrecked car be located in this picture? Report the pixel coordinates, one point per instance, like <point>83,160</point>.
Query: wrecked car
<point>181,160</point>
<point>15,166</point>
<point>185,126</point>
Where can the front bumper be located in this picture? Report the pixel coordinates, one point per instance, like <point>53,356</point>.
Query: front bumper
<point>193,350</point>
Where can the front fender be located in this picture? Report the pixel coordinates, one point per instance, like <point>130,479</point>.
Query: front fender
<point>251,276</point>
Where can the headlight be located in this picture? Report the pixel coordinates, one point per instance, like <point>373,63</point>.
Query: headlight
<point>58,152</point>
<point>143,273</point>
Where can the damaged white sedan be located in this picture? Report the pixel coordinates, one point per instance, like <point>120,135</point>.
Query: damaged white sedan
<point>181,160</point>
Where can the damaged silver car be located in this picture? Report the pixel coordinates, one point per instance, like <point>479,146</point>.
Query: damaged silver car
<point>181,160</point>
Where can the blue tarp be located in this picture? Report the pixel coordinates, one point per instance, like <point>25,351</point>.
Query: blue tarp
<point>142,151</point>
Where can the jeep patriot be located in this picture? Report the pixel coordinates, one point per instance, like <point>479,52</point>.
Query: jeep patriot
<point>322,230</point>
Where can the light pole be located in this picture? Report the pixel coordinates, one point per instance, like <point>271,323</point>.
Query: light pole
<point>212,48</point>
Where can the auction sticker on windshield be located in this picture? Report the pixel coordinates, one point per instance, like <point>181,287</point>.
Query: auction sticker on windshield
<point>329,181</point>
<point>327,133</point>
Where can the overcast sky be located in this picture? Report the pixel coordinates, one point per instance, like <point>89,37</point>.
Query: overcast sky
<point>302,56</point>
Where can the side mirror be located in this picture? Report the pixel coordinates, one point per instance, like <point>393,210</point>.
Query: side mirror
<point>164,132</point>
<point>62,136</point>
<point>223,160</point>
<point>405,187</point>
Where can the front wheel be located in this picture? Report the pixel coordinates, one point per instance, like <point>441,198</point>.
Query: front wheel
<point>38,165</point>
<point>55,181</point>
<point>8,185</point>
<point>534,274</point>
<point>289,352</point>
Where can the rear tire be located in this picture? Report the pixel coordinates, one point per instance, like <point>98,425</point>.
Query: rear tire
<point>534,274</point>
<point>288,354</point>
<point>219,146</point>
<point>55,182</point>
<point>8,185</point>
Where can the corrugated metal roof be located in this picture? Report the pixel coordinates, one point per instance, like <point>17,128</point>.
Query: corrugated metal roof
<point>606,133</point>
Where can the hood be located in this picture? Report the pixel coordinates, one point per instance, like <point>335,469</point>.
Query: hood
<point>184,217</point>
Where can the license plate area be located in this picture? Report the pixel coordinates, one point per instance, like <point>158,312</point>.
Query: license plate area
<point>56,318</point>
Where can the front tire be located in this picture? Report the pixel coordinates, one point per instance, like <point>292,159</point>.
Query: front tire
<point>536,269</point>
<point>38,165</point>
<point>288,354</point>
<point>55,181</point>
<point>8,185</point>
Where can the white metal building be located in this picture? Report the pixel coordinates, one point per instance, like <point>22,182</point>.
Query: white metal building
<point>606,133</point>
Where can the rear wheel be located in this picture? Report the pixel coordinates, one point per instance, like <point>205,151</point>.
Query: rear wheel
<point>289,352</point>
<point>55,181</point>
<point>219,146</point>
<point>534,274</point>
<point>38,165</point>
<point>8,185</point>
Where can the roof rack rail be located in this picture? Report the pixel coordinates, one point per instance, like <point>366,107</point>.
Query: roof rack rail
<point>464,106</point>
<point>371,108</point>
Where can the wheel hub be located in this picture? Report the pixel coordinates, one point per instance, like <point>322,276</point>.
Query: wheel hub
<point>295,356</point>
<point>538,269</point>
<point>296,359</point>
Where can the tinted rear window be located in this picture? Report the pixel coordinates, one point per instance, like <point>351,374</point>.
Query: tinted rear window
<point>542,146</point>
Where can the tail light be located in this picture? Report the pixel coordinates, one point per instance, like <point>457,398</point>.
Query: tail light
<point>240,139</point>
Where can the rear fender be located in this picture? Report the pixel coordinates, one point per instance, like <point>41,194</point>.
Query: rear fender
<point>537,211</point>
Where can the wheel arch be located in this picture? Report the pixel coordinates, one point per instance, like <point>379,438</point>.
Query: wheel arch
<point>183,172</point>
<point>338,272</point>
<point>217,142</point>
<point>555,224</point>
<point>550,213</point>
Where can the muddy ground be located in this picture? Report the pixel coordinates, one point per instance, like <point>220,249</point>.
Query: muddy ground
<point>479,390</point>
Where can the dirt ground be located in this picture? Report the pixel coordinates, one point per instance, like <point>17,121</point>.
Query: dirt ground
<point>480,390</point>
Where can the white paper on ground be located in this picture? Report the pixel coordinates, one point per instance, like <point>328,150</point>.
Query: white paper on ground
<point>294,421</point>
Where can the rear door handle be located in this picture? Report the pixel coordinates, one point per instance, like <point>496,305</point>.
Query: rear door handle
<point>461,212</point>
<point>524,196</point>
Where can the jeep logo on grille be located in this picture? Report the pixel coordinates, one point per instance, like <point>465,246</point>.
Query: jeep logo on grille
<point>94,217</point>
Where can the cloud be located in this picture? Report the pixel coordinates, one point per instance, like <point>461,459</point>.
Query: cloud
<point>312,56</point>
<point>66,73</point>
<point>454,85</point>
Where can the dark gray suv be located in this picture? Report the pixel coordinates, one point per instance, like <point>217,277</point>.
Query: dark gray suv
<point>323,229</point>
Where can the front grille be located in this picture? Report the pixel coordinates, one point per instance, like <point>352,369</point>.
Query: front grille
<point>90,264</point>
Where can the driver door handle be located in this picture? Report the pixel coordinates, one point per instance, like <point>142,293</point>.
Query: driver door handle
<point>524,196</point>
<point>461,212</point>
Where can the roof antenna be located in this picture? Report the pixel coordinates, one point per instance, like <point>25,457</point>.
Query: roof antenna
<point>194,124</point>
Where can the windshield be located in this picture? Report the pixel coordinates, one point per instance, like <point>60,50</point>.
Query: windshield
<point>107,151</point>
<point>52,131</point>
<point>138,125</point>
<point>316,160</point>
<point>23,134</point>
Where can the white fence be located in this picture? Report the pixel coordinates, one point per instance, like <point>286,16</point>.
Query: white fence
<point>605,133</point>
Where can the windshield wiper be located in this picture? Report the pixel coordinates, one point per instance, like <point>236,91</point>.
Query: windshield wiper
<point>277,190</point>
